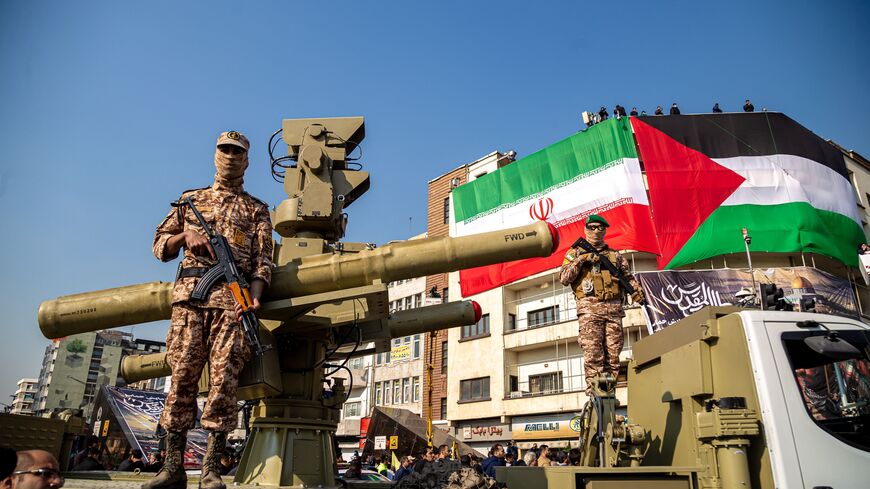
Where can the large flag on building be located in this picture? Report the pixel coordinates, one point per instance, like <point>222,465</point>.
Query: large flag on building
<point>712,175</point>
<point>594,171</point>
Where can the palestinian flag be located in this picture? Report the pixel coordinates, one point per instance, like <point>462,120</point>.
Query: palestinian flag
<point>712,175</point>
<point>592,172</point>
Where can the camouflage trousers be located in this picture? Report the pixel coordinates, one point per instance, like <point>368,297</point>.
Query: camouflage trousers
<point>197,335</point>
<point>601,339</point>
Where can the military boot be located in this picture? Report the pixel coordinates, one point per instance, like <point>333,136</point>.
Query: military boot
<point>171,475</point>
<point>211,475</point>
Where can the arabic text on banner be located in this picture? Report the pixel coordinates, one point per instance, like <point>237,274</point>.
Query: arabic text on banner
<point>674,295</point>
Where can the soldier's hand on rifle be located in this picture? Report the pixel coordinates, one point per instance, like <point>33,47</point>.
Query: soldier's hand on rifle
<point>638,298</point>
<point>198,244</point>
<point>255,305</point>
<point>593,258</point>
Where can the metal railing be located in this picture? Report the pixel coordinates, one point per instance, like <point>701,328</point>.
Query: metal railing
<point>544,387</point>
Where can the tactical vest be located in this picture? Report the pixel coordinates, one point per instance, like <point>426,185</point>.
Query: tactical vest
<point>595,280</point>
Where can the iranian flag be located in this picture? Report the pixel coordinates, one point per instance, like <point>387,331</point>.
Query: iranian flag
<point>592,172</point>
<point>712,175</point>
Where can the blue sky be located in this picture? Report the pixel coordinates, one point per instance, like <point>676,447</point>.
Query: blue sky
<point>110,109</point>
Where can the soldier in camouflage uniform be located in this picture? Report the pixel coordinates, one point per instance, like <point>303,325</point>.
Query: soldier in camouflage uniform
<point>209,331</point>
<point>599,301</point>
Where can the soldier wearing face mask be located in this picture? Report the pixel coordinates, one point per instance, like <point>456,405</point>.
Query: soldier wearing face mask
<point>599,300</point>
<point>209,331</point>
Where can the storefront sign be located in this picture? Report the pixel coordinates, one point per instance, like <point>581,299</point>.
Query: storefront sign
<point>483,432</point>
<point>543,427</point>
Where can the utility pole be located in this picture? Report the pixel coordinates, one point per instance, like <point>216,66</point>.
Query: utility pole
<point>747,239</point>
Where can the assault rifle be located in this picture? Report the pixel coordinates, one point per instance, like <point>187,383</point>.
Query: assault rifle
<point>225,269</point>
<point>587,246</point>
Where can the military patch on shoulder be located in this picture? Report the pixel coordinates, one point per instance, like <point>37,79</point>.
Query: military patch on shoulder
<point>239,238</point>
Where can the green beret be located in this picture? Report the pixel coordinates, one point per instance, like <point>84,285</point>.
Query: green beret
<point>596,218</point>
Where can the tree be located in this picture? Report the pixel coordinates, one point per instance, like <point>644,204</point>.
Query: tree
<point>76,346</point>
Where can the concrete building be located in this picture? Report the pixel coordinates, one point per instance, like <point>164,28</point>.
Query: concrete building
<point>22,400</point>
<point>75,367</point>
<point>518,374</point>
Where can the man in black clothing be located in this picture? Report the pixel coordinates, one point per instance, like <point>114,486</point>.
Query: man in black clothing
<point>674,109</point>
<point>748,107</point>
<point>659,110</point>
<point>90,462</point>
<point>133,462</point>
<point>154,462</point>
<point>93,442</point>
<point>716,109</point>
<point>602,113</point>
<point>633,112</point>
<point>426,457</point>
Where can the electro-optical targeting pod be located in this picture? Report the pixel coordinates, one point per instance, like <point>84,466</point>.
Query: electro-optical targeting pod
<point>324,294</point>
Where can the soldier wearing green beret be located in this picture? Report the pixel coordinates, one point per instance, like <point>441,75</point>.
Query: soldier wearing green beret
<point>600,300</point>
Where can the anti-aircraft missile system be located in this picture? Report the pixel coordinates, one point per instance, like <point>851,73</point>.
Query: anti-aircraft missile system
<point>324,294</point>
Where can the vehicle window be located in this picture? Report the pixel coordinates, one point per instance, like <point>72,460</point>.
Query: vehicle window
<point>836,394</point>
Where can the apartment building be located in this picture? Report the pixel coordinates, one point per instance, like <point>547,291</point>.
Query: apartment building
<point>25,394</point>
<point>74,368</point>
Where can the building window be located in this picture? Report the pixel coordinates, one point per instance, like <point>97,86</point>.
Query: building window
<point>443,358</point>
<point>379,395</point>
<point>481,328</point>
<point>408,303</point>
<point>416,389</point>
<point>417,346</point>
<point>512,322</point>
<point>388,393</point>
<point>446,210</point>
<point>406,390</point>
<point>444,298</point>
<point>397,392</point>
<point>351,409</point>
<point>443,406</point>
<point>545,383</point>
<point>474,389</point>
<point>543,317</point>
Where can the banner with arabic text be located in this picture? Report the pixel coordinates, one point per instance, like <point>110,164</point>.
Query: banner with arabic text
<point>673,295</point>
<point>131,416</point>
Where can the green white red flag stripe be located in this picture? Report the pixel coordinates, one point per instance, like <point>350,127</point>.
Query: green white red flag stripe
<point>595,171</point>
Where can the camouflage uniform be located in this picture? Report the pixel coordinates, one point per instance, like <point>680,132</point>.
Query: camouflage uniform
<point>208,330</point>
<point>599,308</point>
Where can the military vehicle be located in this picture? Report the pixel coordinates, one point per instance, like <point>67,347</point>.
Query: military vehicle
<point>325,294</point>
<point>730,398</point>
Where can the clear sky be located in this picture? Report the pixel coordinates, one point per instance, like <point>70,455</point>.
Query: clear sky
<point>108,110</point>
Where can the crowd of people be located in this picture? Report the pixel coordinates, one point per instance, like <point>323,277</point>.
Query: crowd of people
<point>619,112</point>
<point>498,456</point>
